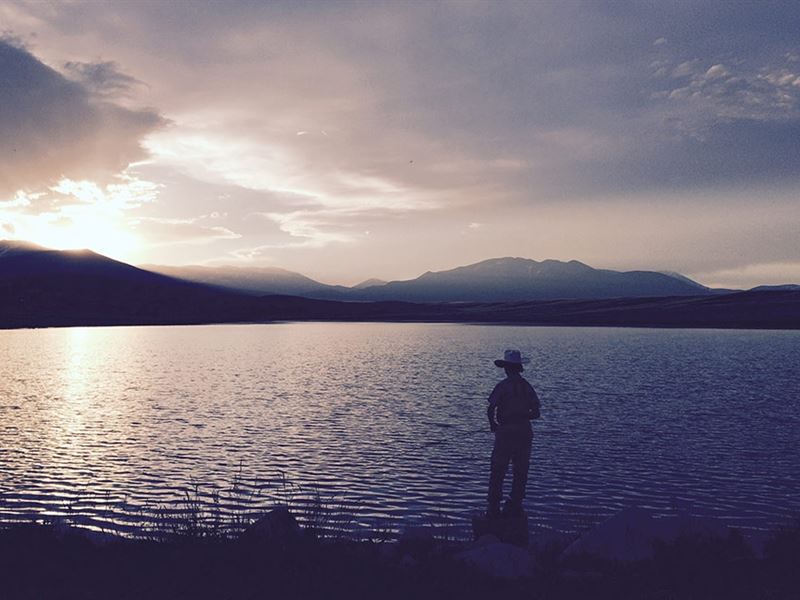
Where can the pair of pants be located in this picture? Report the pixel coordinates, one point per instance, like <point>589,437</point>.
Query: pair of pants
<point>511,445</point>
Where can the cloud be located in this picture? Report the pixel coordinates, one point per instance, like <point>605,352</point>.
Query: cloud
<point>127,193</point>
<point>315,228</point>
<point>716,71</point>
<point>709,95</point>
<point>20,200</point>
<point>53,128</point>
<point>103,77</point>
<point>685,69</point>
<point>172,232</point>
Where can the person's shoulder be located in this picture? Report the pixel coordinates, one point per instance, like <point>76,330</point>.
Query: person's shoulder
<point>497,391</point>
<point>500,385</point>
<point>505,382</point>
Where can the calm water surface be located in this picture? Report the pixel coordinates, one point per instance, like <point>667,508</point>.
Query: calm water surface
<point>105,425</point>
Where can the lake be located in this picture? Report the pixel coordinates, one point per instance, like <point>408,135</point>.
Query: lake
<point>107,426</point>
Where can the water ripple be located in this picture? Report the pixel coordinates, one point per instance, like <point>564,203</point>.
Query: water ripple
<point>108,426</point>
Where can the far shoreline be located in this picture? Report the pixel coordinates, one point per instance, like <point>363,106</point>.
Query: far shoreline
<point>525,324</point>
<point>760,310</point>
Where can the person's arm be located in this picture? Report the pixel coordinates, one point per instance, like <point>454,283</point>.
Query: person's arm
<point>533,409</point>
<point>491,411</point>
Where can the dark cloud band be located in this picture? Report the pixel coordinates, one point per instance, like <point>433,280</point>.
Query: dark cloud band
<point>52,127</point>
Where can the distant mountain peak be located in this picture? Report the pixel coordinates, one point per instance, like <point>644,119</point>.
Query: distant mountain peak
<point>504,260</point>
<point>369,283</point>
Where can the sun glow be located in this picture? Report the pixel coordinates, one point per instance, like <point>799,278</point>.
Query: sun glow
<point>96,233</point>
<point>85,215</point>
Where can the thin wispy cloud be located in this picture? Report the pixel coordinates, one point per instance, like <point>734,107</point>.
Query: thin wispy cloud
<point>172,231</point>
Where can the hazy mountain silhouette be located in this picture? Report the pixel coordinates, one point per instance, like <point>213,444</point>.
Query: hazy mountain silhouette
<point>369,283</point>
<point>685,279</point>
<point>40,287</point>
<point>519,279</point>
<point>777,288</point>
<point>255,280</point>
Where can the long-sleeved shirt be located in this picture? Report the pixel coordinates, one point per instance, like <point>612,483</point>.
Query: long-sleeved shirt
<point>513,401</point>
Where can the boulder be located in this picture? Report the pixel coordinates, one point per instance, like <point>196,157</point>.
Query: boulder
<point>418,540</point>
<point>630,534</point>
<point>499,559</point>
<point>388,550</point>
<point>511,530</point>
<point>668,529</point>
<point>64,531</point>
<point>277,526</point>
<point>486,539</point>
<point>408,562</point>
<point>627,536</point>
<point>550,540</point>
<point>418,534</point>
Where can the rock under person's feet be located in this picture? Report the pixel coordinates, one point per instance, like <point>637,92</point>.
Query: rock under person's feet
<point>512,530</point>
<point>493,512</point>
<point>512,510</point>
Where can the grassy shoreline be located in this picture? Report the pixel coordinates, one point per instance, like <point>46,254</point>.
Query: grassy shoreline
<point>47,561</point>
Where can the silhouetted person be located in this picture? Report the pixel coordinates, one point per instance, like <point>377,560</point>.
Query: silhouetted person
<point>512,405</point>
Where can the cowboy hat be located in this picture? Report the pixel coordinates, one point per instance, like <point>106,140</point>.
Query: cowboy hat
<point>512,358</point>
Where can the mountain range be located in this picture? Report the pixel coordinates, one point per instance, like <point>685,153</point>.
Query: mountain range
<point>494,280</point>
<point>41,287</point>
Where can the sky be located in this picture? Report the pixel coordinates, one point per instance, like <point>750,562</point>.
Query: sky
<point>350,140</point>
